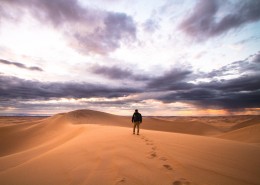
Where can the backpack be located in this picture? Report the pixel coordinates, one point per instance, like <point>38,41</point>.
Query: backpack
<point>136,117</point>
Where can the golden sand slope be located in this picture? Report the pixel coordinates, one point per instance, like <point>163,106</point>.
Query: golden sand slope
<point>250,134</point>
<point>250,121</point>
<point>246,131</point>
<point>81,147</point>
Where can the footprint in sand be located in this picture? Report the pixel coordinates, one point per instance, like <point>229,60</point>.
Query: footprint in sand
<point>168,167</point>
<point>163,158</point>
<point>181,182</point>
<point>153,148</point>
<point>149,143</point>
<point>121,180</point>
<point>152,155</point>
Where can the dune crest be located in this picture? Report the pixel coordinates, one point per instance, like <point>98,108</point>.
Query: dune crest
<point>149,123</point>
<point>250,134</point>
<point>253,120</point>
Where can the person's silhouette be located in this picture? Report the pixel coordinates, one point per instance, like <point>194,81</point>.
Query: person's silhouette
<point>137,120</point>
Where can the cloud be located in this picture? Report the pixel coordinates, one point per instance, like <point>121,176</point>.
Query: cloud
<point>87,30</point>
<point>244,67</point>
<point>111,72</point>
<point>150,25</point>
<point>20,65</point>
<point>250,39</point>
<point>205,20</point>
<point>116,28</point>
<point>175,79</point>
<point>117,73</point>
<point>256,58</point>
<point>242,83</point>
<point>16,88</point>
<point>200,54</point>
<point>239,92</point>
<point>217,99</point>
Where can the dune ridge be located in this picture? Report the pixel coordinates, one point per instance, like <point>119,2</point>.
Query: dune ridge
<point>250,121</point>
<point>94,117</point>
<point>91,147</point>
<point>248,134</point>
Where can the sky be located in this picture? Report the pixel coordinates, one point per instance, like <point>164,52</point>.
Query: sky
<point>164,58</point>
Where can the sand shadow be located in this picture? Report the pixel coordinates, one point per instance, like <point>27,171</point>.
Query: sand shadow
<point>168,167</point>
<point>181,182</point>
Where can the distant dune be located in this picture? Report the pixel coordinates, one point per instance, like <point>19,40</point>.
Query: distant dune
<point>250,134</point>
<point>250,121</point>
<point>91,147</point>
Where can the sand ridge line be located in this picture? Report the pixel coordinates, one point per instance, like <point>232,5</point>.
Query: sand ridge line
<point>37,152</point>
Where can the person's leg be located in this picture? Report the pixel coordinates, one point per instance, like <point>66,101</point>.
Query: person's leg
<point>138,128</point>
<point>134,127</point>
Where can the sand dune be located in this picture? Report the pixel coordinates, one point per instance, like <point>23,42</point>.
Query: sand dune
<point>250,134</point>
<point>187,127</point>
<point>223,123</point>
<point>149,123</point>
<point>250,121</point>
<point>246,131</point>
<point>90,147</point>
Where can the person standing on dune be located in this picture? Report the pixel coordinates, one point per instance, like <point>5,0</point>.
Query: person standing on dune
<point>137,120</point>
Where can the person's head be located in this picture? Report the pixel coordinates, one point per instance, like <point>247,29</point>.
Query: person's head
<point>136,110</point>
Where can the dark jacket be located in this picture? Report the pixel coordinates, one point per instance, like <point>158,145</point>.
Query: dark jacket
<point>137,117</point>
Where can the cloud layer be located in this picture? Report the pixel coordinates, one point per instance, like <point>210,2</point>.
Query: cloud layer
<point>205,22</point>
<point>175,85</point>
<point>16,88</point>
<point>87,30</point>
<point>239,92</point>
<point>117,73</point>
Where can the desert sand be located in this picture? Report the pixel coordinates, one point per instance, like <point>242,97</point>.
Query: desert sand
<point>96,148</point>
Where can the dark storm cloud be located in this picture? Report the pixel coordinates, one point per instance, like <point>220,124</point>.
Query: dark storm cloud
<point>256,58</point>
<point>117,73</point>
<point>20,65</point>
<point>16,88</point>
<point>174,79</point>
<point>242,83</point>
<point>191,95</point>
<point>203,22</point>
<point>87,30</point>
<point>111,72</point>
<point>208,98</point>
<point>238,92</point>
